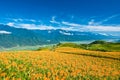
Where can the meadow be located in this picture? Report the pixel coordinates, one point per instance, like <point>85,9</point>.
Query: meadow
<point>98,45</point>
<point>63,63</point>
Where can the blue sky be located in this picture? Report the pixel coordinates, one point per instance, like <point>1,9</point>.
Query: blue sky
<point>81,15</point>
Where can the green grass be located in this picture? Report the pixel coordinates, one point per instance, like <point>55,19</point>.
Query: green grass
<point>105,47</point>
<point>96,46</point>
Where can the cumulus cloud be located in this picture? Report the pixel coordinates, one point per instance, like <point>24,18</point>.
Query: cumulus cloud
<point>5,32</point>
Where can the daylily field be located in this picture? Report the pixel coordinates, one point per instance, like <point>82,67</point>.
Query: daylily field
<point>64,63</point>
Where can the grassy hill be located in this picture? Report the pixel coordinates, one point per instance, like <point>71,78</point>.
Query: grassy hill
<point>96,46</point>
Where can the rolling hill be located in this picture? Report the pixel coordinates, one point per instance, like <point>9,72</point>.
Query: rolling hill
<point>98,45</point>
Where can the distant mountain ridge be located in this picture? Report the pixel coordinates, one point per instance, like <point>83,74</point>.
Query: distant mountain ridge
<point>24,37</point>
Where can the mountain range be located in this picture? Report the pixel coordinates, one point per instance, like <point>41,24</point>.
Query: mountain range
<point>11,36</point>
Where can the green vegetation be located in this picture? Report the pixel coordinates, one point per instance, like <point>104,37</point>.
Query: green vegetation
<point>47,47</point>
<point>96,46</point>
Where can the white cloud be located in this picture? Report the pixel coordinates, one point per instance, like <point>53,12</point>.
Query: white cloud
<point>5,32</point>
<point>64,25</point>
<point>70,24</point>
<point>67,27</point>
<point>34,26</point>
<point>54,21</point>
<point>92,26</point>
<point>32,20</point>
<point>22,20</point>
<point>10,24</point>
<point>104,34</point>
<point>44,27</point>
<point>103,28</point>
<point>107,19</point>
<point>65,33</point>
<point>17,19</point>
<point>91,22</point>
